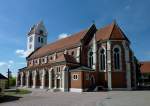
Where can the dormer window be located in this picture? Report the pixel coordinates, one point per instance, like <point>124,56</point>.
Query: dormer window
<point>44,60</point>
<point>51,58</point>
<point>36,61</point>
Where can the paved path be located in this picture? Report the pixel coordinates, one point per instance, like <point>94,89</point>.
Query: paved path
<point>113,98</point>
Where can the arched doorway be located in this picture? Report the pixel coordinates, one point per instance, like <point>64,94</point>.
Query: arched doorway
<point>46,79</point>
<point>38,81</point>
<point>52,78</point>
<point>30,79</point>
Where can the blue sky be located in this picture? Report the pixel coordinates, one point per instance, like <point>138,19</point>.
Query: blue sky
<point>67,17</point>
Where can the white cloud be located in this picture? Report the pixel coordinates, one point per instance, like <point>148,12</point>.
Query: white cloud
<point>11,62</point>
<point>6,64</point>
<point>63,35</point>
<point>21,53</point>
<point>3,64</point>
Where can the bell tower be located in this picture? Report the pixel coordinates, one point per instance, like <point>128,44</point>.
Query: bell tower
<point>37,37</point>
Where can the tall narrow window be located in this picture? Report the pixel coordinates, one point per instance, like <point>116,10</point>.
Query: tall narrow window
<point>102,59</point>
<point>39,39</point>
<point>30,40</point>
<point>30,46</point>
<point>90,58</point>
<point>117,58</point>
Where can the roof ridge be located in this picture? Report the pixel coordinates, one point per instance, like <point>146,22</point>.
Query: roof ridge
<point>57,40</point>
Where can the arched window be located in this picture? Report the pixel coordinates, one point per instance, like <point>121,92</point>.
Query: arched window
<point>117,58</point>
<point>90,58</point>
<point>102,59</point>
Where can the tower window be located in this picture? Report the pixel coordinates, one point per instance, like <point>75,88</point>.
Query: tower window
<point>30,39</point>
<point>42,40</point>
<point>39,39</point>
<point>30,46</point>
<point>41,32</point>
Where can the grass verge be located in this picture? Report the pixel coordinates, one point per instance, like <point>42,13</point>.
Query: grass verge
<point>17,92</point>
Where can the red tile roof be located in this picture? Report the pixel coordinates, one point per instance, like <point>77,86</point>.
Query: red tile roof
<point>59,44</point>
<point>112,31</point>
<point>101,34</point>
<point>105,33</point>
<point>145,67</point>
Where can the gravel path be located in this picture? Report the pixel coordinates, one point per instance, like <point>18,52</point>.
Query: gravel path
<point>113,98</point>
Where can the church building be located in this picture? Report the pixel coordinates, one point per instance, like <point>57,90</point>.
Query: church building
<point>92,58</point>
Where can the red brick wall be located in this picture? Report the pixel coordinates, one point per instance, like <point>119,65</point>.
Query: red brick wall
<point>87,83</point>
<point>118,79</point>
<point>102,79</point>
<point>76,83</point>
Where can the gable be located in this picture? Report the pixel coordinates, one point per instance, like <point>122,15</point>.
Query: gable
<point>117,34</point>
<point>89,35</point>
<point>110,32</point>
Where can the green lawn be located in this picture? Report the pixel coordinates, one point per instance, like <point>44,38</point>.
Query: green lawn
<point>17,92</point>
